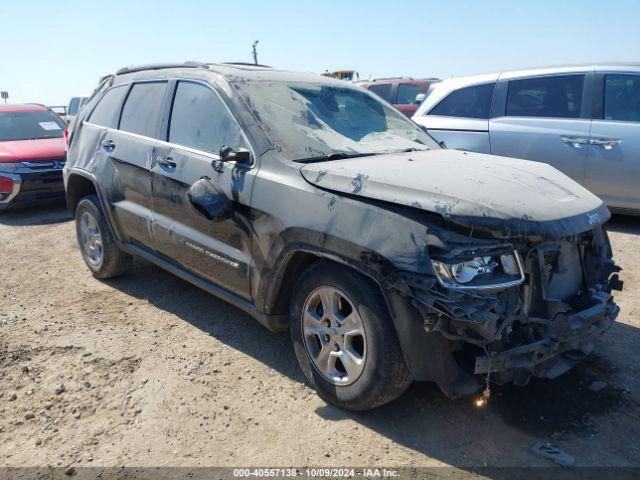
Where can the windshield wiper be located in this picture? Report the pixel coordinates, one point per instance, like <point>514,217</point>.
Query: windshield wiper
<point>411,149</point>
<point>335,156</point>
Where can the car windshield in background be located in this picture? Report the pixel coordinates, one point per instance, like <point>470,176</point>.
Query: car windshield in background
<point>311,121</point>
<point>30,125</point>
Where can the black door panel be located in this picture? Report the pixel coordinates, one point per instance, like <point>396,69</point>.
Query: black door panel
<point>127,168</point>
<point>218,251</point>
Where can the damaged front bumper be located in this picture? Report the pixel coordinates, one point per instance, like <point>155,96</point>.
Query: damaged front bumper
<point>541,327</point>
<point>570,339</point>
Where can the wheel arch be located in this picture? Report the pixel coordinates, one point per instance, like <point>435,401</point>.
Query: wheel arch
<point>78,186</point>
<point>428,356</point>
<point>293,265</point>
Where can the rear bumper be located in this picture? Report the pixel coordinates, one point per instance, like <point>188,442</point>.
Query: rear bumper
<point>33,187</point>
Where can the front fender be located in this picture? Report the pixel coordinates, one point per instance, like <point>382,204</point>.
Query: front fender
<point>379,238</point>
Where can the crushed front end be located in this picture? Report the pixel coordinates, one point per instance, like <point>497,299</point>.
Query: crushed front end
<point>515,309</point>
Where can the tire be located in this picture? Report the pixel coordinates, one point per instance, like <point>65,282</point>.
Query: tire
<point>376,373</point>
<point>98,248</point>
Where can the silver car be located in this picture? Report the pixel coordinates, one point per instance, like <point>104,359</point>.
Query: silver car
<point>583,120</point>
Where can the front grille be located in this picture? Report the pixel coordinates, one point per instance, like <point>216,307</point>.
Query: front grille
<point>49,164</point>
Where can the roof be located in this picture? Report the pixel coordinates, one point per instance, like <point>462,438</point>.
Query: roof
<point>21,108</point>
<point>397,80</point>
<point>232,70</point>
<point>448,85</point>
<point>549,70</point>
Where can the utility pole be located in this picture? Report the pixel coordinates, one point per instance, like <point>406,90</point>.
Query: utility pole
<point>255,52</point>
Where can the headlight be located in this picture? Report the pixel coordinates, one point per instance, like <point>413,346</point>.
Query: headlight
<point>10,167</point>
<point>487,272</point>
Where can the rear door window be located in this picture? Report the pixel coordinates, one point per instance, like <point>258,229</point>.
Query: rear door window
<point>468,102</point>
<point>104,114</point>
<point>382,90</point>
<point>556,97</point>
<point>622,97</point>
<point>407,93</point>
<point>141,110</point>
<point>200,120</point>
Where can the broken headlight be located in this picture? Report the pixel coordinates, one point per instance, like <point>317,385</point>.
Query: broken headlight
<point>485,271</point>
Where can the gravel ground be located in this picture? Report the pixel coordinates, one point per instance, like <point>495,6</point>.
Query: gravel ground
<point>147,370</point>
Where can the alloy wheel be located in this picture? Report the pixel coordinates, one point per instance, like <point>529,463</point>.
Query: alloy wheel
<point>91,239</point>
<point>334,335</point>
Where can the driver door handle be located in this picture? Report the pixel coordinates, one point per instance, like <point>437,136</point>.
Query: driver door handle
<point>576,142</point>
<point>109,145</point>
<point>166,162</point>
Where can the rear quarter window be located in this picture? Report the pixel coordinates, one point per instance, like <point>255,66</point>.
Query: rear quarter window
<point>468,102</point>
<point>142,107</point>
<point>104,114</point>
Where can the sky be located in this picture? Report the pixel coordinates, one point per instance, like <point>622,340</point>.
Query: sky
<point>53,50</point>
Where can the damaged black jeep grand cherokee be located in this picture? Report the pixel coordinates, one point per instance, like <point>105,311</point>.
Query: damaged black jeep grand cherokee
<point>315,206</point>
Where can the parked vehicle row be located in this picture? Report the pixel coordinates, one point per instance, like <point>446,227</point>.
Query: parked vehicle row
<point>315,206</point>
<point>584,121</point>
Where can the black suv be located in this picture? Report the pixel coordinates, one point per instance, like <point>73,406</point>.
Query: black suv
<point>313,206</point>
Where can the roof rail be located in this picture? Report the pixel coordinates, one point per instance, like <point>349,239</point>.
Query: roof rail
<point>392,78</point>
<point>159,66</point>
<point>246,64</point>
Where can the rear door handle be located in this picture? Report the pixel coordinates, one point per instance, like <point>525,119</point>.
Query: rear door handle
<point>166,163</point>
<point>576,142</point>
<point>109,145</point>
<point>606,143</point>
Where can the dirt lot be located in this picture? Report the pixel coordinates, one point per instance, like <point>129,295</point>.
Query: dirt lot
<point>147,370</point>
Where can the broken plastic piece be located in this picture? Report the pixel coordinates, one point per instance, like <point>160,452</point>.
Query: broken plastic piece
<point>597,385</point>
<point>547,450</point>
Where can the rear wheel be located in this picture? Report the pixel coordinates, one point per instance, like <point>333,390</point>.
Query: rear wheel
<point>98,248</point>
<point>344,339</point>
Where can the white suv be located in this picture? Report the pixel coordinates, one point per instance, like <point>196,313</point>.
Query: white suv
<point>584,121</point>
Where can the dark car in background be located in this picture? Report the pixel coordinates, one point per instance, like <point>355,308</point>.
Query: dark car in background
<point>32,154</point>
<point>404,93</point>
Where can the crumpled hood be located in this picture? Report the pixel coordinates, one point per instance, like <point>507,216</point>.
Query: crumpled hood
<point>32,150</point>
<point>509,197</point>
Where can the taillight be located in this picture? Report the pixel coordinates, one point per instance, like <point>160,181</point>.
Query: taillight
<point>66,137</point>
<point>6,185</point>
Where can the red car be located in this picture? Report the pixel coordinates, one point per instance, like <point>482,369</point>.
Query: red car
<point>401,92</point>
<point>32,154</point>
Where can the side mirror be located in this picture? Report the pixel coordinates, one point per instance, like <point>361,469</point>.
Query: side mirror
<point>228,154</point>
<point>209,201</point>
<point>420,98</point>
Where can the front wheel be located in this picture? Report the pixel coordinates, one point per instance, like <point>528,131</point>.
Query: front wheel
<point>99,250</point>
<point>344,339</point>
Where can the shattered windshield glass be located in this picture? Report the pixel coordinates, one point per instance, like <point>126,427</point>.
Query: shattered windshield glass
<point>307,120</point>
